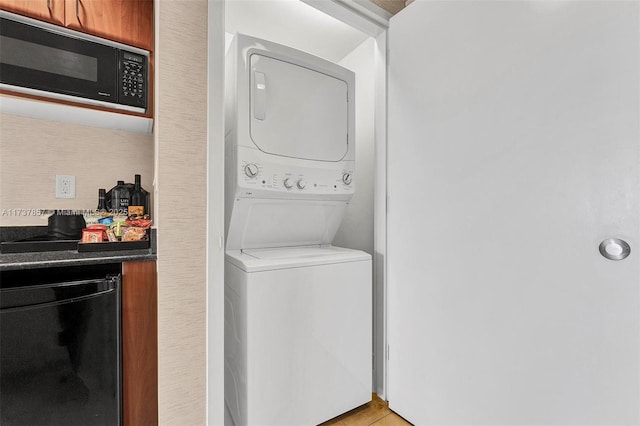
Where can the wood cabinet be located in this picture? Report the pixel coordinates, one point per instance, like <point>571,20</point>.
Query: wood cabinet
<point>126,21</point>
<point>44,10</point>
<point>139,343</point>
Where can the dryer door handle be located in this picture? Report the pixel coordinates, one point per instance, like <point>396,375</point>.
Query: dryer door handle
<point>259,95</point>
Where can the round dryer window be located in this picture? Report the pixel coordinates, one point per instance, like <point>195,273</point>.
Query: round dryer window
<point>297,112</point>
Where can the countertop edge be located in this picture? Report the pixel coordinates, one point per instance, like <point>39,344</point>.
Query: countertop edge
<point>17,261</point>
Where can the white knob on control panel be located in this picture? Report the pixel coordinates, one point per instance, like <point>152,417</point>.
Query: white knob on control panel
<point>251,170</point>
<point>287,183</point>
<point>346,178</point>
<point>302,184</point>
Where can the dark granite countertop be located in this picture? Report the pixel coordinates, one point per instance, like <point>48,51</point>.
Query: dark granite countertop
<point>47,259</point>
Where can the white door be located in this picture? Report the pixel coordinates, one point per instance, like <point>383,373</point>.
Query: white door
<point>513,153</point>
<point>296,111</point>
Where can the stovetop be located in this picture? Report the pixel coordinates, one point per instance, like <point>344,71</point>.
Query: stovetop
<point>38,243</point>
<point>26,239</point>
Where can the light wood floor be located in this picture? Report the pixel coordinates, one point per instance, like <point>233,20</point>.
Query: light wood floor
<point>376,413</point>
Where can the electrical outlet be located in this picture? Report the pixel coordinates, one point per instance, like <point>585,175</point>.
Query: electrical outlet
<point>65,186</point>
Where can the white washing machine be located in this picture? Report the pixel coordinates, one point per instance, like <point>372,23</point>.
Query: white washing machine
<point>297,340</point>
<point>298,320</point>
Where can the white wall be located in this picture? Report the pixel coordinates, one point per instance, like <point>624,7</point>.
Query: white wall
<point>356,230</point>
<point>294,24</point>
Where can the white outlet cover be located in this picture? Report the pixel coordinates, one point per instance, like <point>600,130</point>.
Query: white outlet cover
<point>65,186</point>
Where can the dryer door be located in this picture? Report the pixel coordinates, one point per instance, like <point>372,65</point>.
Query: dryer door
<point>297,112</point>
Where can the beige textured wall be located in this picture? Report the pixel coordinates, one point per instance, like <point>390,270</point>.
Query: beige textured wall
<point>181,152</point>
<point>34,151</point>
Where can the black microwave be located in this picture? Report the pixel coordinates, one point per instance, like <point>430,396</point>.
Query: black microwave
<point>41,59</point>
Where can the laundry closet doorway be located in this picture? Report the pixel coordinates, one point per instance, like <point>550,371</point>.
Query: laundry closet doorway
<point>301,26</point>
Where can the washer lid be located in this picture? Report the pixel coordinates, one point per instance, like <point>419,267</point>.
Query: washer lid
<point>296,111</point>
<point>255,260</point>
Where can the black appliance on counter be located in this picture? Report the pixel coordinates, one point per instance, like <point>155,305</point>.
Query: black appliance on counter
<point>63,231</point>
<point>60,335</point>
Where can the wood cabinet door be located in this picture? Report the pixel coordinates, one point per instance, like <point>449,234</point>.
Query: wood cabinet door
<point>44,10</point>
<point>126,21</point>
<point>139,344</point>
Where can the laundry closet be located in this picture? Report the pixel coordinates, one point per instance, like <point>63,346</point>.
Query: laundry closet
<point>298,307</point>
<point>497,188</point>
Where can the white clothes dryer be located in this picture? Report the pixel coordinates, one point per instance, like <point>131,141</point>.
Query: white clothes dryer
<point>297,334</point>
<point>289,145</point>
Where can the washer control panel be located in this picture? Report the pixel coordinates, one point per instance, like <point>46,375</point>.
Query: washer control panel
<point>253,175</point>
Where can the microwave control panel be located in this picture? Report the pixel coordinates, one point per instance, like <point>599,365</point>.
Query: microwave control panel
<point>132,80</point>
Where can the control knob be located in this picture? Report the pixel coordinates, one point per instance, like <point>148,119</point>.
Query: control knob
<point>302,184</point>
<point>287,183</point>
<point>251,170</point>
<point>346,178</point>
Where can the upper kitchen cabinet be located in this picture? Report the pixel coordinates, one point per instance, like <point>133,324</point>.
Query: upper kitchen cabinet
<point>44,10</point>
<point>126,21</point>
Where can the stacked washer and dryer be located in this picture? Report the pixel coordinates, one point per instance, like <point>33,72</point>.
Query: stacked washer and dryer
<point>297,309</point>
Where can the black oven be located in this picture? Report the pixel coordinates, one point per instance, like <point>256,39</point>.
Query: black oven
<point>42,59</point>
<point>60,340</point>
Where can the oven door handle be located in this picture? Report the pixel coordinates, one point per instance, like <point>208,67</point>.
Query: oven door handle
<point>109,285</point>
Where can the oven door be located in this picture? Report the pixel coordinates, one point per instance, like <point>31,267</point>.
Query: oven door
<point>42,58</point>
<point>60,359</point>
